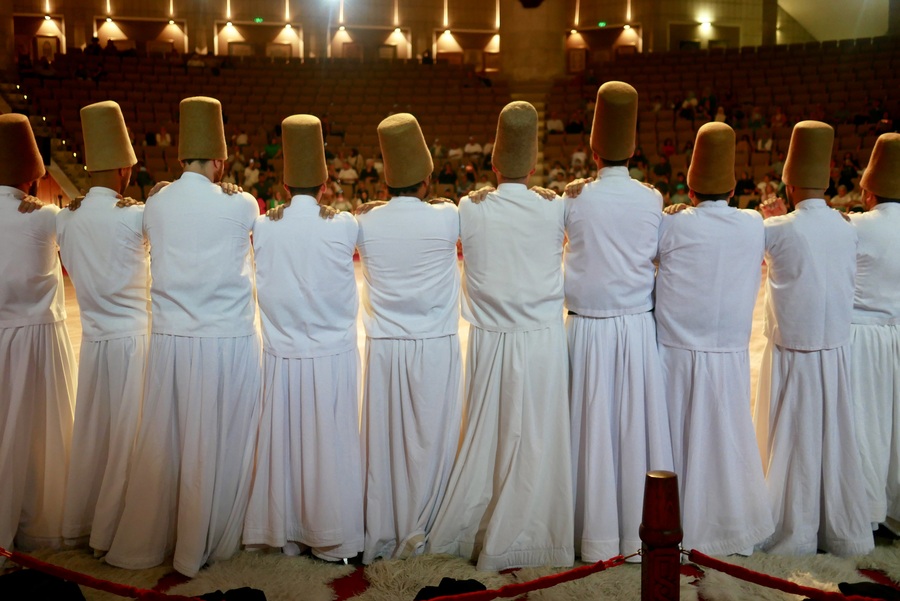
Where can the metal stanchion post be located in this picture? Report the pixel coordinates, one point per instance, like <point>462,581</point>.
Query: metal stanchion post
<point>661,535</point>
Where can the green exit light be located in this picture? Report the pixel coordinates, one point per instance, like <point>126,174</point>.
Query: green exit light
<point>258,20</point>
<point>601,24</point>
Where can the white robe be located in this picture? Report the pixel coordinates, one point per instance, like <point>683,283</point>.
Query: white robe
<point>706,287</point>
<point>37,381</point>
<point>196,442</point>
<point>804,417</point>
<point>412,391</point>
<point>308,482</point>
<point>876,356</point>
<point>616,393</point>
<point>509,501</point>
<point>104,251</point>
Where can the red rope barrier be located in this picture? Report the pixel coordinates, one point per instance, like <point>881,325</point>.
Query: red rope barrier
<point>768,581</point>
<point>122,590</point>
<point>520,588</point>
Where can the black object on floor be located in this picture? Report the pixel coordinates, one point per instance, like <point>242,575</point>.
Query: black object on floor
<point>239,594</point>
<point>449,586</point>
<point>870,589</point>
<point>32,585</point>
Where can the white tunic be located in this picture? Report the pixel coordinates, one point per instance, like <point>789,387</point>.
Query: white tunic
<point>37,382</point>
<point>412,391</point>
<point>104,251</point>
<point>619,422</point>
<point>308,485</point>
<point>804,417</point>
<point>876,356</point>
<point>509,500</point>
<point>195,445</point>
<point>706,287</point>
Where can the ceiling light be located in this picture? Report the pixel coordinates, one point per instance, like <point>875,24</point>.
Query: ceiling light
<point>171,22</point>
<point>228,24</point>
<point>342,28</point>
<point>46,17</point>
<point>627,27</point>
<point>109,19</point>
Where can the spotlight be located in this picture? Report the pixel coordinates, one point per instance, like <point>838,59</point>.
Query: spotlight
<point>109,19</point>
<point>446,32</point>
<point>396,30</point>
<point>44,118</point>
<point>627,27</point>
<point>228,24</point>
<point>342,28</point>
<point>171,22</point>
<point>46,17</point>
<point>573,32</point>
<point>288,26</point>
<point>706,24</point>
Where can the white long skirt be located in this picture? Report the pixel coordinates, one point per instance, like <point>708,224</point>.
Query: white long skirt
<point>876,402</point>
<point>308,486</point>
<point>193,457</point>
<point>620,428</point>
<point>412,407</point>
<point>37,398</point>
<point>107,414</point>
<point>807,439</point>
<point>509,501</point>
<point>724,506</point>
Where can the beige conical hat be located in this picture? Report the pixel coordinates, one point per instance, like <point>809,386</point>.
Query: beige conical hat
<point>516,146</point>
<point>712,164</point>
<point>882,174</point>
<point>808,162</point>
<point>615,121</point>
<point>201,133</point>
<point>407,160</point>
<point>20,159</point>
<point>106,143</point>
<point>304,152</point>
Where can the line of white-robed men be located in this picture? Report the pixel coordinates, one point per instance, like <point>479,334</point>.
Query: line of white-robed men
<point>508,502</point>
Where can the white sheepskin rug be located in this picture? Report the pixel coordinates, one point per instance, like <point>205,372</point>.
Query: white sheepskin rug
<point>83,561</point>
<point>396,579</point>
<point>885,559</point>
<point>280,577</point>
<point>823,572</point>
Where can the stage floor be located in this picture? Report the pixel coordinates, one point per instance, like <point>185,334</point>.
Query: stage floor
<point>757,339</point>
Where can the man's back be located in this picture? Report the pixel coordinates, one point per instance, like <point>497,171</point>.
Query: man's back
<point>31,292</point>
<point>709,270</point>
<point>202,273</point>
<point>877,299</point>
<point>811,258</point>
<point>613,228</point>
<point>103,249</point>
<point>512,243</point>
<point>409,261</point>
<point>306,283</point>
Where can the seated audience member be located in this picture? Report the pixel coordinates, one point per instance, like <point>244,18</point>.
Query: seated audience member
<point>559,182</point>
<point>575,124</point>
<point>555,125</point>
<point>472,148</point>
<point>163,138</point>
<point>745,185</point>
<point>579,156</point>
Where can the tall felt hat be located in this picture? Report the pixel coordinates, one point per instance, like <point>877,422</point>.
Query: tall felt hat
<point>201,131</point>
<point>808,162</point>
<point>712,164</point>
<point>407,160</point>
<point>106,143</point>
<point>516,146</point>
<point>304,152</point>
<point>615,121</point>
<point>20,159</point>
<point>882,175</point>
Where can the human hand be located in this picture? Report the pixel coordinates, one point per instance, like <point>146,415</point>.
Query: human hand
<point>327,212</point>
<point>275,213</point>
<point>439,201</point>
<point>30,204</point>
<point>229,188</point>
<point>127,201</point>
<point>477,196</point>
<point>574,188</point>
<point>545,193</point>
<point>675,208</point>
<point>773,207</point>
<point>75,203</point>
<point>157,187</point>
<point>365,208</point>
